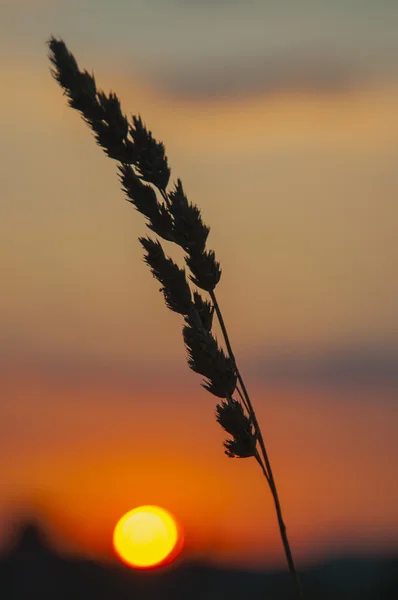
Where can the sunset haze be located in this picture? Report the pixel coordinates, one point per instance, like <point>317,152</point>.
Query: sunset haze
<point>281,119</point>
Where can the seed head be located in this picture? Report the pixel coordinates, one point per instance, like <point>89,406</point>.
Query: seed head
<point>207,358</point>
<point>150,159</point>
<point>206,271</point>
<point>205,310</point>
<point>189,230</point>
<point>175,288</point>
<point>143,197</point>
<point>232,418</point>
<point>101,112</point>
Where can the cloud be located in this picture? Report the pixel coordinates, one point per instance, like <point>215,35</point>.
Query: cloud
<point>261,75</point>
<point>341,366</point>
<point>240,49</point>
<point>211,49</point>
<point>345,365</point>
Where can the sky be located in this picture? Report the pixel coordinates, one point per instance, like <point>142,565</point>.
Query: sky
<point>281,119</point>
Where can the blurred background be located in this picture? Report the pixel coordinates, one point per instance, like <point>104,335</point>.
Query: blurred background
<point>281,119</point>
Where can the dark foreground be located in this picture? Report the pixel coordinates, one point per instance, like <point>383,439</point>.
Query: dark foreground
<point>32,570</point>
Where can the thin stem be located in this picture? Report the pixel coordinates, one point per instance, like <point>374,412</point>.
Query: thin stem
<point>267,470</point>
<point>264,470</point>
<point>244,401</point>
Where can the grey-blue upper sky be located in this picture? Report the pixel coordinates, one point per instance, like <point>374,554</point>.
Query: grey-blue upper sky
<point>203,48</point>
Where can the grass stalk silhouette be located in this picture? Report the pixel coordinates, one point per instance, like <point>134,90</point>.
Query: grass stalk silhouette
<point>144,175</point>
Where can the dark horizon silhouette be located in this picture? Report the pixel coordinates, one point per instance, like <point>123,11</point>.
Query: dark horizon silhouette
<point>31,568</point>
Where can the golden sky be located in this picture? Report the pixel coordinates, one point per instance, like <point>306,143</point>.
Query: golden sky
<point>292,161</point>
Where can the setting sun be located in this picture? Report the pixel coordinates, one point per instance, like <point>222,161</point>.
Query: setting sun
<point>147,537</point>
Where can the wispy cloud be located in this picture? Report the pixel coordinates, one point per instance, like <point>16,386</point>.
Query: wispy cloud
<point>315,72</point>
<point>212,49</point>
<point>344,365</point>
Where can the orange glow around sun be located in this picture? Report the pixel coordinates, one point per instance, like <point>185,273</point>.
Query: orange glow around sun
<point>147,537</point>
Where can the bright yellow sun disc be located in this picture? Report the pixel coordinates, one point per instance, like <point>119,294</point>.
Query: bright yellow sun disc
<point>145,536</point>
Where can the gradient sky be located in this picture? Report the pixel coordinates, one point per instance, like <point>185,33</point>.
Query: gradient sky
<point>281,118</point>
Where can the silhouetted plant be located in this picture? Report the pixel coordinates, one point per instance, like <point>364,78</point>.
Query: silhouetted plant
<point>144,174</point>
